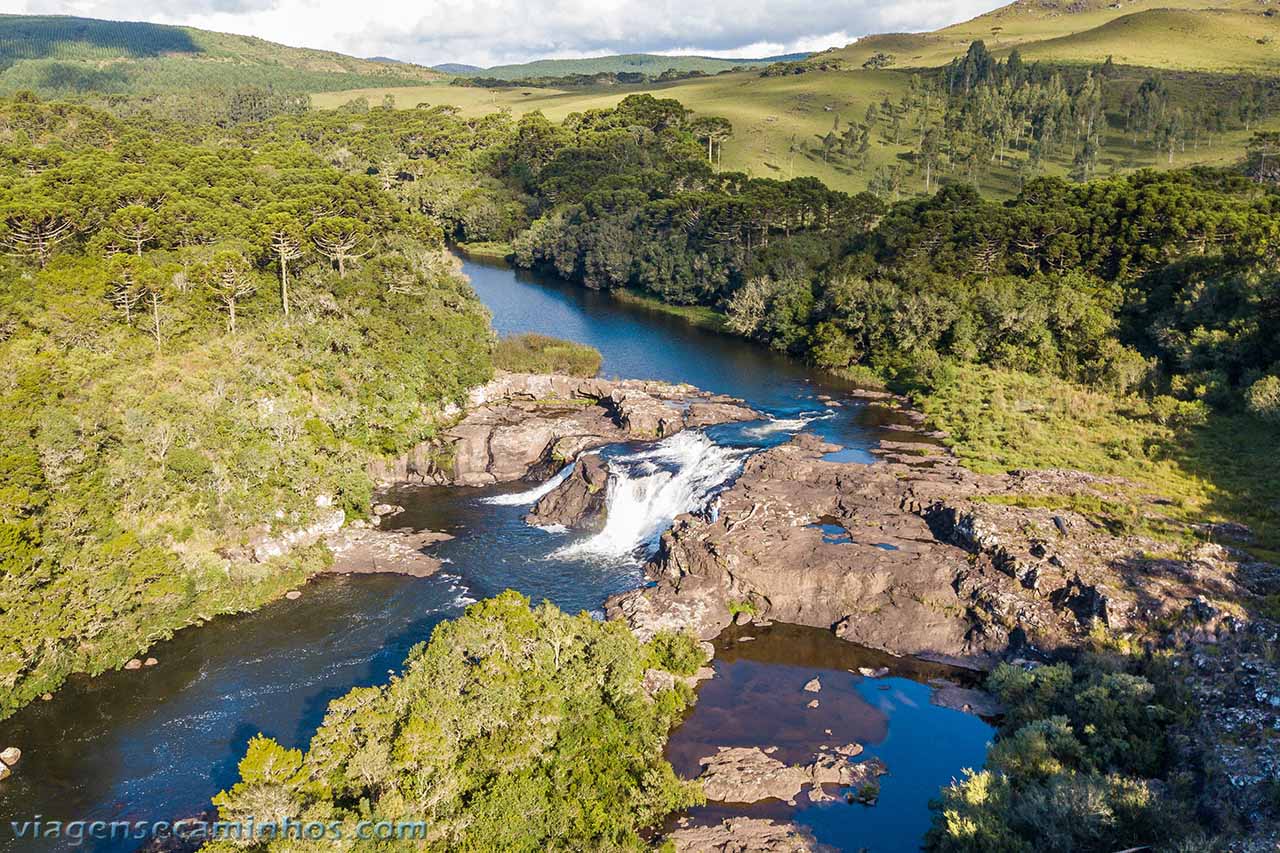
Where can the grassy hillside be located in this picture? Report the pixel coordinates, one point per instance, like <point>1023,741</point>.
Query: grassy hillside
<point>1222,40</point>
<point>1203,35</point>
<point>641,63</point>
<point>64,55</point>
<point>774,118</point>
<point>778,122</point>
<point>1206,51</point>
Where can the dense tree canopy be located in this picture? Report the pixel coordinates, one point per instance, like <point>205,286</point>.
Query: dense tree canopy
<point>194,355</point>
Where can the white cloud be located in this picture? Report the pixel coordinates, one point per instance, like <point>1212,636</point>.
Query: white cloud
<point>489,32</point>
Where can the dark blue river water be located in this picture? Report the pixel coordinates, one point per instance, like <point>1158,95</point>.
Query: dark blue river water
<point>156,744</point>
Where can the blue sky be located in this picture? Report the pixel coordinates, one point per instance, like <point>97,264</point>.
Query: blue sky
<point>489,32</point>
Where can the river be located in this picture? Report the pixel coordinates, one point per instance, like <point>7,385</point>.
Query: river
<point>156,744</point>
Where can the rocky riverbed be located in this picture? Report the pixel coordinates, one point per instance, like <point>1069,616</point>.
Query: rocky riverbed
<point>917,555</point>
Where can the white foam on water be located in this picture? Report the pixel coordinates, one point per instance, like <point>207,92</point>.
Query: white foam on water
<point>553,528</point>
<point>776,425</point>
<point>647,490</point>
<point>532,496</point>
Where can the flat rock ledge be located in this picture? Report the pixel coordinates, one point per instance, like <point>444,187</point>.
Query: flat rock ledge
<point>747,835</point>
<point>527,425</point>
<point>371,550</point>
<point>980,703</point>
<point>750,774</point>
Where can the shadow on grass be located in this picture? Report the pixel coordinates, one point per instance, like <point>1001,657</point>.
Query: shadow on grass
<point>1239,457</point>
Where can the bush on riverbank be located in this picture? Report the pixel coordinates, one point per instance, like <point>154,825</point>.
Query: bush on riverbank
<point>513,728</point>
<point>532,353</point>
<point>1077,765</point>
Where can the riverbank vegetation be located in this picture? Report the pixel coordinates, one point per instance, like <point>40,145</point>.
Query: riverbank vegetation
<point>1082,761</point>
<point>202,347</point>
<point>512,729</point>
<point>1206,464</point>
<point>532,353</point>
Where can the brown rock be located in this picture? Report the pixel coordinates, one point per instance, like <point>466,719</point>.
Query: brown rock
<point>747,835</point>
<point>377,551</point>
<point>522,425</point>
<point>747,775</point>
<point>934,568</point>
<point>10,756</point>
<point>578,502</point>
<point>293,595</point>
<point>977,702</point>
<point>150,662</point>
<point>133,664</point>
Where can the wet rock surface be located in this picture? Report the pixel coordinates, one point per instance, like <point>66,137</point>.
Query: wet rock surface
<point>523,424</point>
<point>578,502</point>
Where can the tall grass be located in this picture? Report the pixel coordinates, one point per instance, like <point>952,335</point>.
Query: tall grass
<point>531,353</point>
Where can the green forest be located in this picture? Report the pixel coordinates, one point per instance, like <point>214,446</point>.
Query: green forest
<point>513,729</point>
<point>194,356</point>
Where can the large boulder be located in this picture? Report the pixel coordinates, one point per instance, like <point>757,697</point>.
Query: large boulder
<point>747,775</point>
<point>578,502</point>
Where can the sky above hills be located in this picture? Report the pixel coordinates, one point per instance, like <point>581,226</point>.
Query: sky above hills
<point>490,32</point>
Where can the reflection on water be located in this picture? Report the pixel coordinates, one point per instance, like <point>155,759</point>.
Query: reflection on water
<point>156,744</point>
<point>758,699</point>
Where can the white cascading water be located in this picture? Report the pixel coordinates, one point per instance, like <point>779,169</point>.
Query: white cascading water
<point>532,496</point>
<point>647,490</point>
<point>775,425</point>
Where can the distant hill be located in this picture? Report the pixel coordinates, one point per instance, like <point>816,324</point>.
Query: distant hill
<point>1189,35</point>
<point>457,68</point>
<point>641,63</point>
<point>56,54</point>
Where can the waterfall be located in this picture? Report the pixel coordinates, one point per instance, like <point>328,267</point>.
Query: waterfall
<point>532,496</point>
<point>648,489</point>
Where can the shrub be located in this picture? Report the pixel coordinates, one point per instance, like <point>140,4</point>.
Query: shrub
<point>676,652</point>
<point>1263,399</point>
<point>531,353</point>
<point>1070,770</point>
